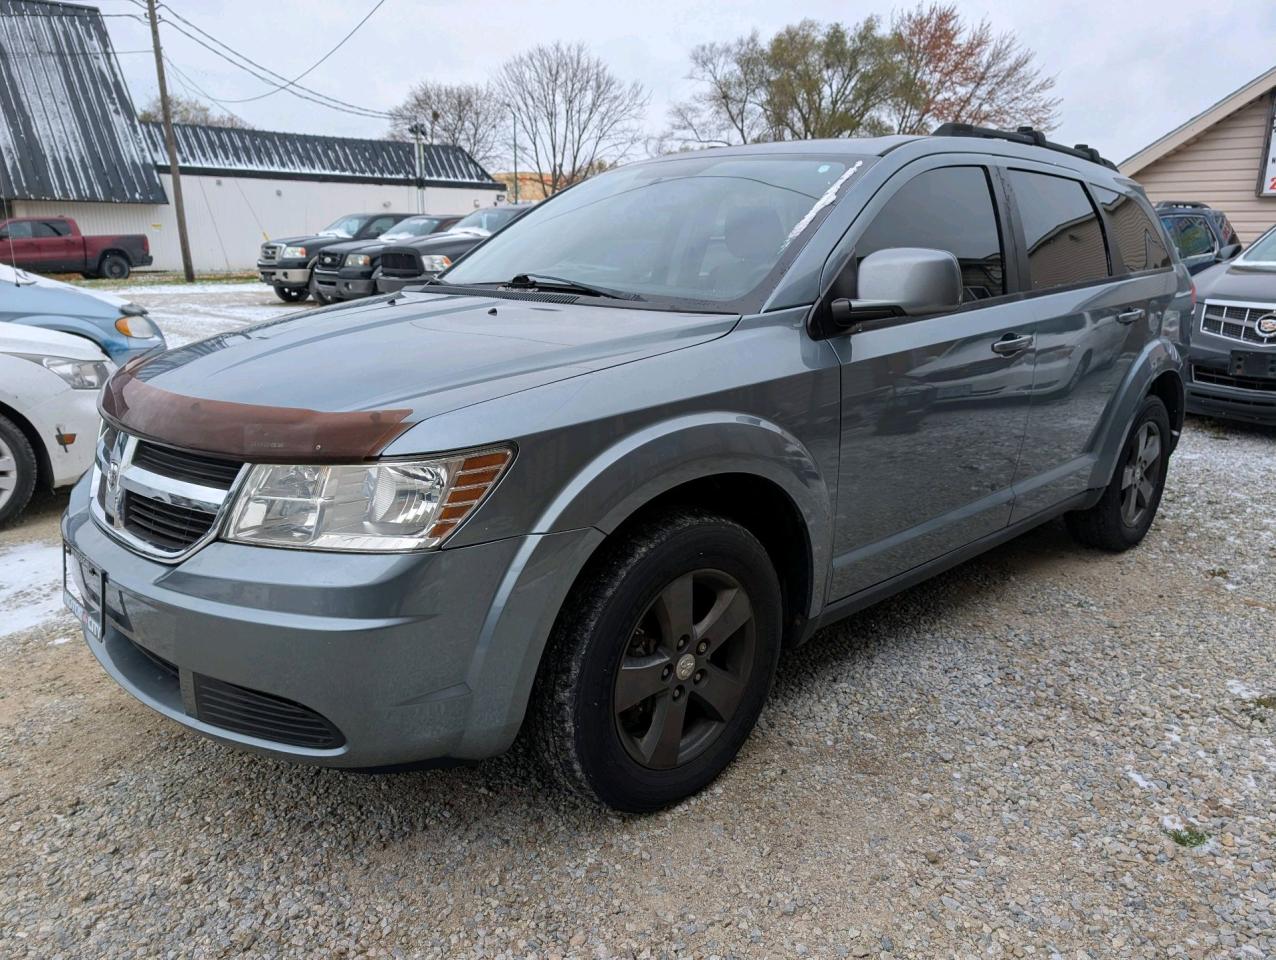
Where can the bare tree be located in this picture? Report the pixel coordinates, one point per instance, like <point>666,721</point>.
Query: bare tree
<point>571,113</point>
<point>188,110</point>
<point>952,71</point>
<point>469,115</point>
<point>731,107</point>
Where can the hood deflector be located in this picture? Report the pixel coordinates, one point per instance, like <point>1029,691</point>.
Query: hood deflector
<point>260,434</point>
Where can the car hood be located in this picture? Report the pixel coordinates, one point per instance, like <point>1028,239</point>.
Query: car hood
<point>37,341</point>
<point>1233,281</point>
<point>417,357</point>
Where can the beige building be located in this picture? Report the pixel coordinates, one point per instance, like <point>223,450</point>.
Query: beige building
<point>1224,156</point>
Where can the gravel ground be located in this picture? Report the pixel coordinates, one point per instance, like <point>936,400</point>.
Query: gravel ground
<point>1047,752</point>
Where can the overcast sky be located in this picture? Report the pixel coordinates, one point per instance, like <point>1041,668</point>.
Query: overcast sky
<point>1127,71</point>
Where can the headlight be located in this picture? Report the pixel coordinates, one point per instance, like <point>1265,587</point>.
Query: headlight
<point>358,260</point>
<point>394,505</point>
<point>435,263</point>
<point>132,325</point>
<point>292,253</point>
<point>78,374</point>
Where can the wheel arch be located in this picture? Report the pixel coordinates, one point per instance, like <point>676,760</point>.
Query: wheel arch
<point>113,251</point>
<point>1158,370</point>
<point>44,465</point>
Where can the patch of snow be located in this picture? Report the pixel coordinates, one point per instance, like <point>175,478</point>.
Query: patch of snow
<point>30,586</point>
<point>1172,821</point>
<point>1138,779</point>
<point>1239,688</point>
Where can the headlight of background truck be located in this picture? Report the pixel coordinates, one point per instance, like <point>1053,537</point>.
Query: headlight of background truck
<point>293,253</point>
<point>394,505</point>
<point>435,263</point>
<point>358,260</point>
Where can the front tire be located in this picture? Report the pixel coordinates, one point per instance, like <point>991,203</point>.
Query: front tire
<point>292,294</point>
<point>17,470</point>
<point>1123,515</point>
<point>660,662</point>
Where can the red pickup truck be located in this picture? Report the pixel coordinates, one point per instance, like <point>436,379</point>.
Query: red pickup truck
<point>55,245</point>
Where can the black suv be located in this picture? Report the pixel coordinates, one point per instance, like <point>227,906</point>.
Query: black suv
<point>425,259</point>
<point>347,271</point>
<point>1203,236</point>
<point>286,263</point>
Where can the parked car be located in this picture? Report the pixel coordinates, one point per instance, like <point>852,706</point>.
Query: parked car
<point>119,328</point>
<point>347,271</point>
<point>55,245</point>
<point>1232,340</point>
<point>286,263</point>
<point>424,259</point>
<point>624,451</point>
<point>49,382</point>
<point>1202,236</point>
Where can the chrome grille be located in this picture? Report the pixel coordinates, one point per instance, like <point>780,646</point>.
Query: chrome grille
<point>157,500</point>
<point>270,252</point>
<point>1236,320</point>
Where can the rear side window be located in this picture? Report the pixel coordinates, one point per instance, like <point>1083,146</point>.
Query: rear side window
<point>1136,235</point>
<point>948,209</point>
<point>42,229</point>
<point>59,227</point>
<point>1061,229</point>
<point>1192,236</point>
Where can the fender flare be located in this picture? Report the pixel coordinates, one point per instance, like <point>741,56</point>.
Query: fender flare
<point>641,466</point>
<point>1158,357</point>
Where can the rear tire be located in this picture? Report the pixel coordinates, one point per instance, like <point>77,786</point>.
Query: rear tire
<point>660,662</point>
<point>1123,515</point>
<point>292,294</point>
<point>18,469</point>
<point>113,266</point>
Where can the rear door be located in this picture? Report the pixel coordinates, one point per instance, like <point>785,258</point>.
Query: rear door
<point>1091,318</point>
<point>933,408</point>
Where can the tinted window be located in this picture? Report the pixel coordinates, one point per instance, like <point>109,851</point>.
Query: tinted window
<point>1135,233</point>
<point>1191,235</point>
<point>949,209</point>
<point>59,228</point>
<point>19,230</point>
<point>379,225</point>
<point>1061,229</point>
<point>43,230</point>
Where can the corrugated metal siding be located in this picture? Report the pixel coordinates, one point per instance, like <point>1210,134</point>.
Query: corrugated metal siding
<point>264,153</point>
<point>68,130</point>
<point>1220,168</point>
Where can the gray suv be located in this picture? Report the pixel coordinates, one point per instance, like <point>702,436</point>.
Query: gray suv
<point>591,482</point>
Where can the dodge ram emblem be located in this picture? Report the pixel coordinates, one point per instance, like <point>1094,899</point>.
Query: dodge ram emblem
<point>1266,325</point>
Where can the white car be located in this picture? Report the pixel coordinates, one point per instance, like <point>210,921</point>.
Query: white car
<point>49,385</point>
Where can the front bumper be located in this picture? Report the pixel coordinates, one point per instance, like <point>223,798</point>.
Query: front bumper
<point>1214,389</point>
<point>338,285</point>
<point>407,657</point>
<point>285,275</point>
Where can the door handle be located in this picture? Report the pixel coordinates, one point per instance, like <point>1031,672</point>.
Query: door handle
<point>1138,313</point>
<point>1011,344</point>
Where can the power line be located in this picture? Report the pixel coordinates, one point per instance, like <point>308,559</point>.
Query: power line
<point>195,90</point>
<point>271,93</point>
<point>257,70</point>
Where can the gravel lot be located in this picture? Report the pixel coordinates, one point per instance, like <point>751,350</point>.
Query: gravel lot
<point>1047,752</point>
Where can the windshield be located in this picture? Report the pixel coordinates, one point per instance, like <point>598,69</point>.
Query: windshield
<point>345,227</point>
<point>411,227</point>
<point>1262,250</point>
<point>488,220</point>
<point>701,228</point>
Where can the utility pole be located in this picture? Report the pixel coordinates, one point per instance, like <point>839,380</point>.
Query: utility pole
<point>514,116</point>
<point>170,142</point>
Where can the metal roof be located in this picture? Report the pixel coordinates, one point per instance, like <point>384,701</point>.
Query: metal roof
<point>233,152</point>
<point>67,126</point>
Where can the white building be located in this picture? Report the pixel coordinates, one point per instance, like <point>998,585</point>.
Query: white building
<point>71,145</point>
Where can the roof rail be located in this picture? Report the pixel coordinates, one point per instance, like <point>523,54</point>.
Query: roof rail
<point>1026,135</point>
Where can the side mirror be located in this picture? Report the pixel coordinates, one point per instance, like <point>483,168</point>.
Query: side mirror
<point>901,281</point>
<point>1227,252</point>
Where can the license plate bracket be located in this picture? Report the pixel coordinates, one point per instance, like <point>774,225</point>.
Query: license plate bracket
<point>78,599</point>
<point>1247,363</point>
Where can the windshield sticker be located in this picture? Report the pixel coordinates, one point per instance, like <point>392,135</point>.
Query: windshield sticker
<point>828,197</point>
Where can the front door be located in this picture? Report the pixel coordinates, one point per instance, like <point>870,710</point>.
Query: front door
<point>933,409</point>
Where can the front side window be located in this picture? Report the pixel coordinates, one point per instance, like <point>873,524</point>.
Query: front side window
<point>1137,238</point>
<point>1191,235</point>
<point>379,225</point>
<point>18,230</point>
<point>1061,230</point>
<point>702,228</point>
<point>346,226</point>
<point>411,227</point>
<point>489,220</point>
<point>58,228</point>
<point>948,209</point>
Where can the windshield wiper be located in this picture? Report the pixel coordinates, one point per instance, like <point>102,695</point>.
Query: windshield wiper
<point>543,281</point>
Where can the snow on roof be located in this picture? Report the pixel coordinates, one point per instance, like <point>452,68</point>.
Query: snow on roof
<point>229,151</point>
<point>67,127</point>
